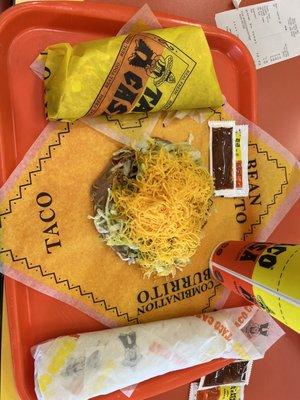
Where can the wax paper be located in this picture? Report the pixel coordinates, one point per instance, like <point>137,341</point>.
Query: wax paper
<point>49,243</point>
<point>83,366</point>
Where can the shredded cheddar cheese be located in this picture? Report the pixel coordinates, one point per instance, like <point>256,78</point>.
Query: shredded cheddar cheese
<point>163,209</point>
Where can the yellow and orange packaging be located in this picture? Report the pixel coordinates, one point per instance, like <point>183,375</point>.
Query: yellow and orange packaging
<point>264,273</point>
<point>161,69</point>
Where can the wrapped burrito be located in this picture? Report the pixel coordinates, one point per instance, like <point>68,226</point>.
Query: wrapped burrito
<point>79,367</point>
<point>162,69</point>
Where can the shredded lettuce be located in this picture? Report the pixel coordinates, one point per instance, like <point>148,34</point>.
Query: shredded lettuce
<point>107,219</point>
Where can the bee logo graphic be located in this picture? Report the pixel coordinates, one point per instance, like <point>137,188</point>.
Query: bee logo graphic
<point>132,356</point>
<point>254,329</point>
<point>157,67</point>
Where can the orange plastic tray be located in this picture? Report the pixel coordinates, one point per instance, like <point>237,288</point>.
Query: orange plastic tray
<point>26,30</point>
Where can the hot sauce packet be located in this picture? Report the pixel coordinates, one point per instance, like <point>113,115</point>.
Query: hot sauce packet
<point>216,393</point>
<point>222,156</point>
<point>236,373</point>
<point>229,158</point>
<point>161,69</point>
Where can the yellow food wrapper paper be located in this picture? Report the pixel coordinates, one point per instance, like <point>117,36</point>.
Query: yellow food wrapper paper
<point>49,243</point>
<point>161,69</point>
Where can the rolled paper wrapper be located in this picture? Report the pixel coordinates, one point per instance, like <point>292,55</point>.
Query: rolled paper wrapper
<point>265,274</point>
<point>83,366</point>
<point>162,69</point>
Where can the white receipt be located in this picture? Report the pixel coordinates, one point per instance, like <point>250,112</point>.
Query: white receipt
<point>270,30</point>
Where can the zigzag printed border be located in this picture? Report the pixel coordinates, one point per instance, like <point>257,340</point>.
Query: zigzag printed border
<point>215,112</point>
<point>39,169</point>
<point>52,274</point>
<point>211,297</point>
<point>78,287</point>
<point>275,195</point>
<point>70,287</point>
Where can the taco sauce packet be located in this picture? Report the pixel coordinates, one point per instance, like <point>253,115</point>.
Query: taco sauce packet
<point>216,393</point>
<point>229,158</point>
<point>234,374</point>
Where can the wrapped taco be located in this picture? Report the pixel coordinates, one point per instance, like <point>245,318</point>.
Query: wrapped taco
<point>81,366</point>
<point>163,69</point>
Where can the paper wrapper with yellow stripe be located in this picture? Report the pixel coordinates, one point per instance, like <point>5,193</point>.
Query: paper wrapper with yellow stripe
<point>49,243</point>
<point>83,366</point>
<point>162,69</point>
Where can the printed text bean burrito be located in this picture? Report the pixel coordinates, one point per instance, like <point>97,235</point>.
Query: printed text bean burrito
<point>163,69</point>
